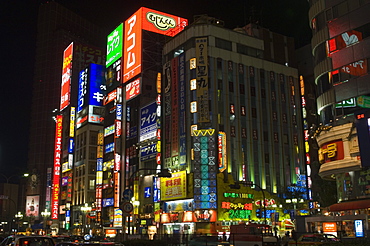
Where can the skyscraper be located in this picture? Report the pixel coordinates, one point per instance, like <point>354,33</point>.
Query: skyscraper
<point>57,28</point>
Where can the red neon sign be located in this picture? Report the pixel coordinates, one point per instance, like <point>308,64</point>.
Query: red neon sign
<point>66,77</point>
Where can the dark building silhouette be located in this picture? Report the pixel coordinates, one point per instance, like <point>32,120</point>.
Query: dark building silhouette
<point>57,28</point>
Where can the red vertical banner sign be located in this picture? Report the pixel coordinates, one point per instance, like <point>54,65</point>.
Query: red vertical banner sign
<point>66,77</point>
<point>56,172</point>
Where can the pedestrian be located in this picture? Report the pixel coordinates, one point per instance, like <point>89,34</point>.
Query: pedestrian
<point>276,231</point>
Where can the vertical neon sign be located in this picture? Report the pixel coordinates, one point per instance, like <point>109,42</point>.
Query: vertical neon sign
<point>56,172</point>
<point>66,77</point>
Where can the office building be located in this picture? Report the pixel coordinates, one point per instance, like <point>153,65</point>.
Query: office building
<point>57,28</point>
<point>231,118</point>
<point>340,50</point>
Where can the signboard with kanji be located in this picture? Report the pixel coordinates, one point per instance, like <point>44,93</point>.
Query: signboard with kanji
<point>174,187</point>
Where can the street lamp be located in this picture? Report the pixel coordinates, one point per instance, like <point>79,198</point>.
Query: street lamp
<point>45,214</point>
<point>85,209</point>
<point>18,216</point>
<point>12,176</point>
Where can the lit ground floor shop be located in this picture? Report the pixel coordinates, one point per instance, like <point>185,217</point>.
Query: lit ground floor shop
<point>345,226</point>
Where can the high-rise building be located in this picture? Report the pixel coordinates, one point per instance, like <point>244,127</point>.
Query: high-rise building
<point>231,117</point>
<point>341,53</point>
<point>134,65</point>
<point>57,28</point>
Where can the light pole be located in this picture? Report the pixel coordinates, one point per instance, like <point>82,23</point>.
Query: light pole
<point>45,214</point>
<point>12,176</point>
<point>85,209</point>
<point>18,216</point>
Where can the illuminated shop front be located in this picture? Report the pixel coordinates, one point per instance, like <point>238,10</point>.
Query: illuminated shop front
<point>179,218</point>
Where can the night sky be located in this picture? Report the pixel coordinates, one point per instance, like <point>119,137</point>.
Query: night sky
<point>18,19</point>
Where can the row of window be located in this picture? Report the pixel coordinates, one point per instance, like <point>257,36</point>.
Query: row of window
<point>240,48</point>
<point>320,21</point>
<point>265,135</point>
<point>254,113</point>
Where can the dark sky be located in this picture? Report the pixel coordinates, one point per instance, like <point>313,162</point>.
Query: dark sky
<point>18,20</point>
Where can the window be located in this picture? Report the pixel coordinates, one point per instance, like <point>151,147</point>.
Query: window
<point>272,76</point>
<point>284,118</point>
<point>193,84</point>
<point>242,89</point>
<point>255,136</point>
<point>349,71</point>
<point>274,116</point>
<point>223,44</point>
<point>313,24</point>
<point>231,86</point>
<point>263,93</point>
<point>92,184</point>
<point>242,111</point>
<point>267,158</point>
<point>244,133</point>
<point>294,120</point>
<point>283,97</point>
<point>254,112</point>
<point>281,78</point>
<point>232,109</point>
<point>232,131</point>
<point>273,96</point>
<point>340,9</point>
<point>253,91</point>
<point>92,154</point>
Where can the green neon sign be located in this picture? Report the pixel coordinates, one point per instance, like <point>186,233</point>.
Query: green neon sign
<point>239,214</point>
<point>114,45</point>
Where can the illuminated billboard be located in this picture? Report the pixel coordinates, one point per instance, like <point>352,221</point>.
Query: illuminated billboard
<point>148,122</point>
<point>205,169</point>
<point>148,152</point>
<point>133,89</point>
<point>32,206</point>
<point>221,145</point>
<point>174,187</point>
<point>149,20</point>
<point>91,86</point>
<point>66,77</point>
<point>331,151</point>
<point>114,45</point>
<point>56,172</point>
<point>162,23</point>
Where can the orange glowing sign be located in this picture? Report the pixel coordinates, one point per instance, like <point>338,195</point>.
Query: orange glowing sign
<point>66,77</point>
<point>329,226</point>
<point>149,20</point>
<point>331,151</point>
